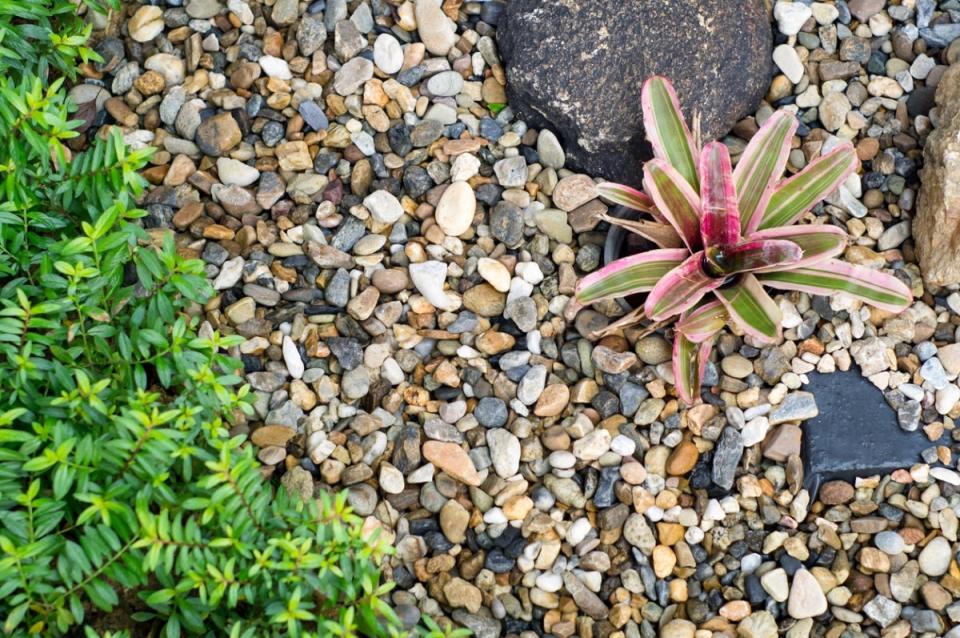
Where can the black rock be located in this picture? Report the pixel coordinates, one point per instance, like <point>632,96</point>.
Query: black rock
<point>834,444</point>
<point>578,67</point>
<point>498,562</point>
<point>603,496</point>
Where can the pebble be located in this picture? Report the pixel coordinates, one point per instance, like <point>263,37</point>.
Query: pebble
<point>384,207</point>
<point>456,209</point>
<point>935,558</point>
<point>791,16</point>
<point>387,54</point>
<point>436,30</point>
<point>146,24</point>
<point>787,60</point>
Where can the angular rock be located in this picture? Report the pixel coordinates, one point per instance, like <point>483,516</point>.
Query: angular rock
<point>616,48</point>
<point>451,458</point>
<point>938,208</point>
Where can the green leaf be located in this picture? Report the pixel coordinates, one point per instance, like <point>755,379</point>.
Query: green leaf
<point>834,276</point>
<point>666,129</point>
<point>795,196</point>
<point>629,275</point>
<point>751,308</point>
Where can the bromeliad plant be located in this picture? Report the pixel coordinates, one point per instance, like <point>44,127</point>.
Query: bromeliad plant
<point>724,234</point>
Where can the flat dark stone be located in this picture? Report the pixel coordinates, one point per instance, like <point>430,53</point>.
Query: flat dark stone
<point>856,433</point>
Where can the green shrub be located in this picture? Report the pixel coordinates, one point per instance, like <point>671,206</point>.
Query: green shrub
<point>126,508</point>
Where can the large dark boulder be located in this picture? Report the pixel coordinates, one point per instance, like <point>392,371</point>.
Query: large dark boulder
<point>577,66</point>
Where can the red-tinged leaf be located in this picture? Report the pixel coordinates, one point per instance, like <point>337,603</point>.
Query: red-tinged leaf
<point>719,213</point>
<point>702,322</point>
<point>689,363</point>
<point>675,199</point>
<point>663,235</point>
<point>818,242</point>
<point>834,276</point>
<point>755,254</point>
<point>793,197</point>
<point>629,197</point>
<point>680,289</point>
<point>627,276</point>
<point>751,308</point>
<point>761,166</point>
<point>667,130</point>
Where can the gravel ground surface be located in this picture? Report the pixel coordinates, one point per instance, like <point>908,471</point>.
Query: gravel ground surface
<point>398,250</point>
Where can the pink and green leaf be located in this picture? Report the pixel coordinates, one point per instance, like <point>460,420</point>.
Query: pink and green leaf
<point>719,213</point>
<point>667,130</point>
<point>689,363</point>
<point>755,254</point>
<point>793,197</point>
<point>818,242</point>
<point>702,322</point>
<point>680,289</point>
<point>675,199</point>
<point>761,166</point>
<point>629,197</point>
<point>751,308</point>
<point>627,276</point>
<point>834,276</point>
<point>663,235</point>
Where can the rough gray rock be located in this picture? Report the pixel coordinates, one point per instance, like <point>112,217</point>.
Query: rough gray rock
<point>935,229</point>
<point>579,66</point>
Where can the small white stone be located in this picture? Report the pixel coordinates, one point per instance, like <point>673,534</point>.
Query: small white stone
<point>935,558</point>
<point>384,207</point>
<point>456,208</point>
<point>275,67</point>
<point>550,582</point>
<point>291,356</point>
<point>464,166</point>
<point>592,446</point>
<point>791,16</point>
<point>788,61</point>
<point>504,452</point>
<point>774,582</point>
<point>429,277</point>
<point>230,273</point>
<point>623,445</point>
<point>437,32</point>
<point>494,273</point>
<point>391,479</point>
<point>824,13</point>
<point>755,431</point>
<point>529,271</point>
<point>578,531</point>
<point>947,398</point>
<point>387,54</point>
<point>945,474</point>
<point>562,460</point>
<point>235,173</point>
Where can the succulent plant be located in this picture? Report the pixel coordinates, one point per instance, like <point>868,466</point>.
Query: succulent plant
<point>724,234</point>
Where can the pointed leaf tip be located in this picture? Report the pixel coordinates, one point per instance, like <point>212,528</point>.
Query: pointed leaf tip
<point>720,215</point>
<point>761,165</point>
<point>666,128</point>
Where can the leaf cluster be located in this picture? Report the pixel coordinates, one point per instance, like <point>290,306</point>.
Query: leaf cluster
<point>123,493</point>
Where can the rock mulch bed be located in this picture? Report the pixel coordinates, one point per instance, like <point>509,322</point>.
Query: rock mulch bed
<point>398,250</point>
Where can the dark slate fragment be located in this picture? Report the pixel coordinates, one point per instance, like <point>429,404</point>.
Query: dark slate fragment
<point>856,432</point>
